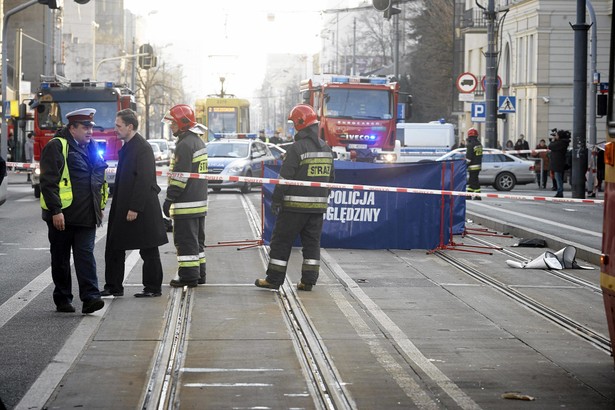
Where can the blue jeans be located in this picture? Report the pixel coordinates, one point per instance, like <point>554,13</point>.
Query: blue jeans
<point>81,241</point>
<point>559,180</point>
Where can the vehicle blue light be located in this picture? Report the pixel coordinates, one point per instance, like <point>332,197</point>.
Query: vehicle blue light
<point>101,152</point>
<point>109,84</point>
<point>45,86</point>
<point>378,81</point>
<point>373,137</point>
<point>251,135</point>
<point>340,79</point>
<point>218,135</point>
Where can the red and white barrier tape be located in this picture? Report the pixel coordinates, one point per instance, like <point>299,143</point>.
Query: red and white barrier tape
<point>213,177</point>
<point>274,181</point>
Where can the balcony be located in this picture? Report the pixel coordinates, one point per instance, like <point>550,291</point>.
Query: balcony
<point>473,18</point>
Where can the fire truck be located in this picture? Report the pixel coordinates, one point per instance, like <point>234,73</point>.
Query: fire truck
<point>357,115</point>
<point>54,99</point>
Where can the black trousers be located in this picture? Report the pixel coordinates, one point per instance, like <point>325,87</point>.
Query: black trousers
<point>115,263</point>
<point>473,184</point>
<point>189,240</point>
<point>81,241</point>
<point>289,225</point>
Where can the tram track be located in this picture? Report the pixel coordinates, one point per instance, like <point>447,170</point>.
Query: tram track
<point>325,383</point>
<point>563,321</point>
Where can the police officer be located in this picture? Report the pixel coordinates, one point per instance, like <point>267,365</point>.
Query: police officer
<point>474,159</point>
<point>300,209</point>
<point>73,195</point>
<point>186,200</point>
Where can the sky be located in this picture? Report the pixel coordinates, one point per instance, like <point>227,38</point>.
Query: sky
<point>229,39</point>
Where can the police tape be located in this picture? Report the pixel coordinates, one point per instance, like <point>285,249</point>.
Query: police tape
<point>333,185</point>
<point>356,187</point>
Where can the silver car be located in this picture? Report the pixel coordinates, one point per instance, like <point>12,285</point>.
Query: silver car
<point>237,157</point>
<point>500,170</point>
<point>165,152</point>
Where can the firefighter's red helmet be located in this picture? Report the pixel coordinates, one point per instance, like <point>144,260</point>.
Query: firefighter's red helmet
<point>472,132</point>
<point>183,116</point>
<point>302,116</point>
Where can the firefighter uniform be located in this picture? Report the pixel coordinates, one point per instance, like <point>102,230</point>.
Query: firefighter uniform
<point>300,208</point>
<point>186,201</point>
<point>474,159</point>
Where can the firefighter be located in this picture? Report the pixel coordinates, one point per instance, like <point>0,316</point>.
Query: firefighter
<point>186,200</point>
<point>474,159</point>
<point>299,209</point>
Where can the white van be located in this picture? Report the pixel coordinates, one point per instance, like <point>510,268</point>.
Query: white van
<point>423,141</point>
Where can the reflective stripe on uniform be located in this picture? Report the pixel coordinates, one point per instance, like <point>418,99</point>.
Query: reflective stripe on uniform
<point>188,261</point>
<point>186,208</point>
<point>316,155</point>
<point>277,265</point>
<point>310,265</point>
<point>202,257</point>
<point>473,167</point>
<point>306,199</point>
<point>200,155</point>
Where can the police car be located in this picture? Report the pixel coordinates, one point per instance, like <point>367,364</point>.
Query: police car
<point>237,157</point>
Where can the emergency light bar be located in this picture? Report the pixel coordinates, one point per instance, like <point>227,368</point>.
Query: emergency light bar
<point>345,79</point>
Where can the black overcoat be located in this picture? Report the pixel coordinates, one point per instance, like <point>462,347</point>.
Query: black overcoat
<point>136,189</point>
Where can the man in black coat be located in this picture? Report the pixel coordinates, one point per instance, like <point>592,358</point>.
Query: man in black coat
<point>135,218</point>
<point>558,149</point>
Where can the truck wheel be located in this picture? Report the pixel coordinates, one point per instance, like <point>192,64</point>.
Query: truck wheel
<point>504,181</point>
<point>37,191</point>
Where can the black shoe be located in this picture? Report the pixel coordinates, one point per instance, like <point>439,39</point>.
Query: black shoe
<point>107,292</point>
<point>92,305</point>
<point>304,286</point>
<point>262,283</point>
<point>201,281</point>
<point>65,308</point>
<point>179,284</point>
<point>145,294</point>
<point>558,196</point>
<point>591,195</point>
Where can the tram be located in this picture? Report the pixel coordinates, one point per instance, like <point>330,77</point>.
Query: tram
<point>607,266</point>
<point>224,115</point>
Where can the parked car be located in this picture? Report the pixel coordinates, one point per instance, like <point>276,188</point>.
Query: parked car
<point>238,157</point>
<point>165,151</point>
<point>500,170</point>
<point>277,151</point>
<point>157,152</point>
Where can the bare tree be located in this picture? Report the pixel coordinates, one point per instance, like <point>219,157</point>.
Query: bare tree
<point>431,63</point>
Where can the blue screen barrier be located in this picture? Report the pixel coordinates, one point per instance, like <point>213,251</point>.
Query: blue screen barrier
<point>358,219</point>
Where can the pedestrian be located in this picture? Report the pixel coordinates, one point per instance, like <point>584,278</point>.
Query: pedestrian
<point>522,145</point>
<point>135,218</point>
<point>299,209</point>
<point>460,144</point>
<point>186,200</point>
<point>509,146</point>
<point>543,166</point>
<point>276,138</point>
<point>29,151</point>
<point>559,148</point>
<point>474,159</point>
<point>262,136</point>
<point>73,196</point>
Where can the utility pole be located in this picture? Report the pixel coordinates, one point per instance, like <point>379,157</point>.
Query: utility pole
<point>579,97</point>
<point>491,78</point>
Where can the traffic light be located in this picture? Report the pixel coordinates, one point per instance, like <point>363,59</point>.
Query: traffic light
<point>52,4</point>
<point>391,11</point>
<point>147,60</point>
<point>386,6</point>
<point>58,4</point>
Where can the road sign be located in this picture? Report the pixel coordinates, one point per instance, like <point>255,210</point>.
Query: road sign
<point>479,111</point>
<point>507,103</point>
<point>466,83</point>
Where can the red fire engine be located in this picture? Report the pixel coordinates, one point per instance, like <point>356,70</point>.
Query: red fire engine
<point>357,115</point>
<point>55,99</point>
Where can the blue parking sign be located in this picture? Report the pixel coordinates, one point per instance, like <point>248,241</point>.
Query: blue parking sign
<point>479,111</point>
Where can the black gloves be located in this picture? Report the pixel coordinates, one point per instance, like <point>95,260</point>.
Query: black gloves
<point>276,207</point>
<point>166,208</point>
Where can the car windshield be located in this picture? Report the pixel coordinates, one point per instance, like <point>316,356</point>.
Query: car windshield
<point>227,150</point>
<point>357,104</point>
<point>155,147</point>
<point>52,115</point>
